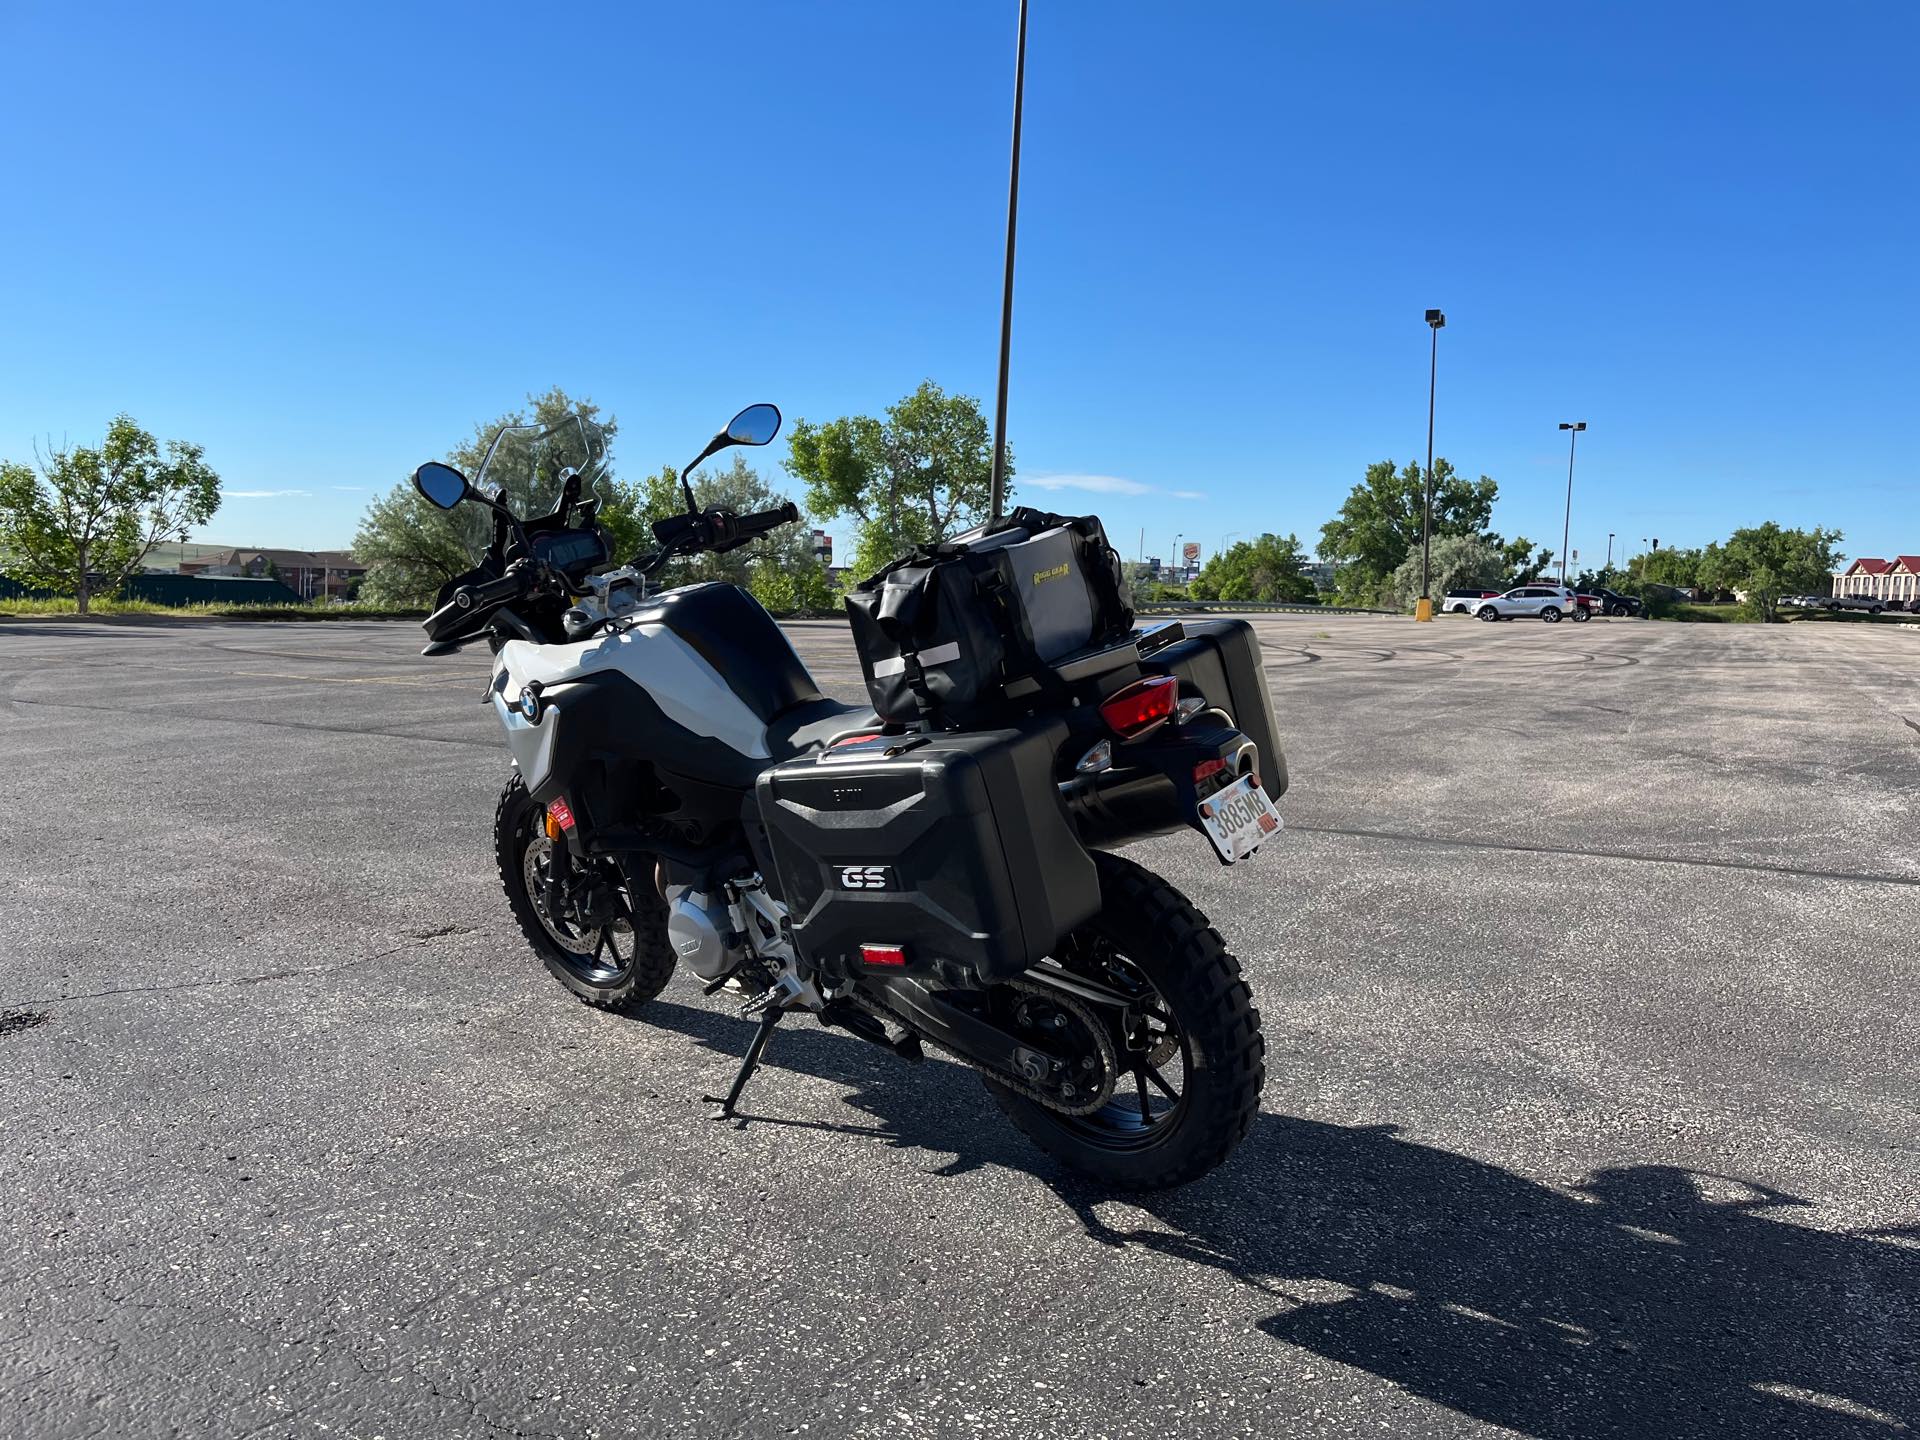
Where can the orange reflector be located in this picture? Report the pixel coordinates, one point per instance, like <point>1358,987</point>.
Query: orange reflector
<point>553,827</point>
<point>883,954</point>
<point>1141,707</point>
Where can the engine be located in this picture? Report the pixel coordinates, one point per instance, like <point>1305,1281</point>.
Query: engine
<point>701,932</point>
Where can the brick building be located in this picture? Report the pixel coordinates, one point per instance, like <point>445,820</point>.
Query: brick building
<point>308,573</point>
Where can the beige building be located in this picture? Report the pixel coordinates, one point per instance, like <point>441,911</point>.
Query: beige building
<point>1890,580</point>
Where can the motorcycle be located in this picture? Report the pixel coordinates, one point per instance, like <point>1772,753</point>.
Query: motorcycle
<point>683,792</point>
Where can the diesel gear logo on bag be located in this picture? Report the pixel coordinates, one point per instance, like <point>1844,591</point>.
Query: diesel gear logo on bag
<point>1054,574</point>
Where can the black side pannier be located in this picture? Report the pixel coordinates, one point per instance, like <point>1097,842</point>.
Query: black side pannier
<point>941,632</point>
<point>952,849</point>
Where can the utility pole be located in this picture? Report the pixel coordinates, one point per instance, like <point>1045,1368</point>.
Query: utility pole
<point>1573,430</point>
<point>999,496</point>
<point>1423,610</point>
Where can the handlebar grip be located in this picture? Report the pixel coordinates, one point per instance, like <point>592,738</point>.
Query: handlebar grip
<point>763,520</point>
<point>505,588</point>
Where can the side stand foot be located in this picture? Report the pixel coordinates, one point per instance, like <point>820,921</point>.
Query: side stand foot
<point>769,1018</point>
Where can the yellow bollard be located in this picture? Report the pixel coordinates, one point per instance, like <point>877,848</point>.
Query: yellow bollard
<point>1423,609</point>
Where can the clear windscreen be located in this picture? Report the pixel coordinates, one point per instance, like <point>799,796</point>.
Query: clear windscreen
<point>529,465</point>
<point>531,462</point>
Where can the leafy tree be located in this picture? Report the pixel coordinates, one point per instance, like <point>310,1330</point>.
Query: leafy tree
<point>411,548</point>
<point>101,511</point>
<point>1268,568</point>
<point>1611,577</point>
<point>1459,562</point>
<point>1378,526</point>
<point>1767,561</point>
<point>1673,566</point>
<point>1522,562</point>
<point>922,473</point>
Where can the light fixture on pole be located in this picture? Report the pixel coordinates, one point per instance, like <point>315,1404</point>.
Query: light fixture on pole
<point>1573,429</point>
<point>999,488</point>
<point>1423,609</point>
<point>1609,550</point>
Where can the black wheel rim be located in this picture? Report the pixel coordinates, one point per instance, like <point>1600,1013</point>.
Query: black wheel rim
<point>1156,1063</point>
<point>601,956</point>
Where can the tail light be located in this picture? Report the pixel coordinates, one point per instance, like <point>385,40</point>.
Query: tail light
<point>1142,707</point>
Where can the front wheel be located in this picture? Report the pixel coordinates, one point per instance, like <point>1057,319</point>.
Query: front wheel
<point>1582,614</point>
<point>618,961</point>
<point>1187,1047</point>
<point>1487,612</point>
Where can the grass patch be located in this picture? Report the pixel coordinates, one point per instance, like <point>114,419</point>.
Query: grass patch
<point>312,610</point>
<point>1701,614</point>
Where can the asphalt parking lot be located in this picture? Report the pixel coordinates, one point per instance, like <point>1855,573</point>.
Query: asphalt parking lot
<point>1587,969</point>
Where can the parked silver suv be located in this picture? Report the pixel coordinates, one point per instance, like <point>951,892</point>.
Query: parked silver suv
<point>1540,602</point>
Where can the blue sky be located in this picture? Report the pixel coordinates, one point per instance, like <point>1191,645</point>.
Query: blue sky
<point>323,241</point>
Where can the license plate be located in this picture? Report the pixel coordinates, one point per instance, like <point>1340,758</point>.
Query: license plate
<point>1238,818</point>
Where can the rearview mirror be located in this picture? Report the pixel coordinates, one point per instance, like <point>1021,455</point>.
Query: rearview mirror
<point>755,425</point>
<point>441,484</point>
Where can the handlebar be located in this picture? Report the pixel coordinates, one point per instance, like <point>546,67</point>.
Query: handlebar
<point>507,587</point>
<point>717,531</point>
<point>751,527</point>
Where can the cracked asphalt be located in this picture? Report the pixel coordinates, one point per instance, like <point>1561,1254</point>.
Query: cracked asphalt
<point>1586,965</point>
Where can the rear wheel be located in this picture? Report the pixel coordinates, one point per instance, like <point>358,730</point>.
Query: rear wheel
<point>1182,1032</point>
<point>607,943</point>
<point>1550,614</point>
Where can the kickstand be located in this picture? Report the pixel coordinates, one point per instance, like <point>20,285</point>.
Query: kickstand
<point>769,1018</point>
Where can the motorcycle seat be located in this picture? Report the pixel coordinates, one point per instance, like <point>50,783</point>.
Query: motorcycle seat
<point>812,725</point>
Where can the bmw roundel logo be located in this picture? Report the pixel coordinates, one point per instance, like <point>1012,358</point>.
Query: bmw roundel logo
<point>530,704</point>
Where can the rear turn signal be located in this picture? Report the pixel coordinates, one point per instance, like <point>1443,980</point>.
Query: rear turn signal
<point>883,954</point>
<point>1142,707</point>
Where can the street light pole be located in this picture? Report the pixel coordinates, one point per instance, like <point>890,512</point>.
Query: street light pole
<point>1178,537</point>
<point>1424,609</point>
<point>999,495</point>
<point>1573,430</point>
<point>1609,551</point>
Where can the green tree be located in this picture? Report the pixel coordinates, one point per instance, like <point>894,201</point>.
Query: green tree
<point>1379,526</point>
<point>88,511</point>
<point>1267,568</point>
<point>1764,562</point>
<point>411,548</point>
<point>922,473</point>
<point>1673,566</point>
<point>1459,562</point>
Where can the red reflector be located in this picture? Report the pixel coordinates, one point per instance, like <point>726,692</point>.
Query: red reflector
<point>1208,768</point>
<point>851,740</point>
<point>883,954</point>
<point>1143,706</point>
<point>557,808</point>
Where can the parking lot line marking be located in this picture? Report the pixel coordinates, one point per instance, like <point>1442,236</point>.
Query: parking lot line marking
<point>345,679</point>
<point>1869,877</point>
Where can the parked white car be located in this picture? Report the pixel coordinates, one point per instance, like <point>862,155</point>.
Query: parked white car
<point>1537,602</point>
